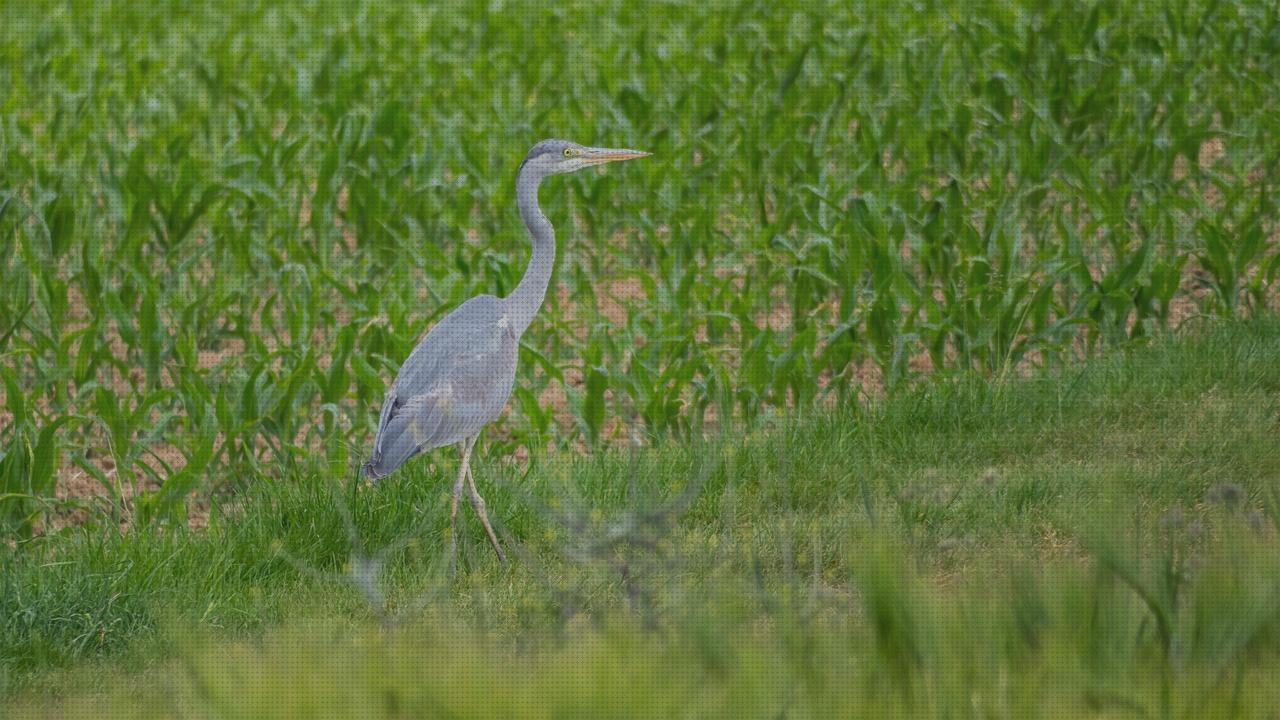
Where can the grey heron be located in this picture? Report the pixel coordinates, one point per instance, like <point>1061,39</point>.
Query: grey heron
<point>459,377</point>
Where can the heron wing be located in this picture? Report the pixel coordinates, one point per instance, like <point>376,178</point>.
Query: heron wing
<point>454,382</point>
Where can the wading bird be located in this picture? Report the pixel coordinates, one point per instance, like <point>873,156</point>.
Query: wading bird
<point>459,377</point>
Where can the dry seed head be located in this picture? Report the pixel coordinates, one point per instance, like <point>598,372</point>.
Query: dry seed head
<point>1228,495</point>
<point>1195,530</point>
<point>1256,520</point>
<point>990,476</point>
<point>1174,519</point>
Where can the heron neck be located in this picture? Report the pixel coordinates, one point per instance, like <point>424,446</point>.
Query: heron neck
<point>524,301</point>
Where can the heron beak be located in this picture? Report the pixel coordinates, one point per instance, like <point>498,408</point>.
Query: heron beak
<point>600,156</point>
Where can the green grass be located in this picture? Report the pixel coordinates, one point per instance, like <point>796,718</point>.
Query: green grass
<point>224,224</point>
<point>1100,541</point>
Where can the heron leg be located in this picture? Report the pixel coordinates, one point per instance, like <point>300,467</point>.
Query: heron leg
<point>465,446</point>
<point>477,502</point>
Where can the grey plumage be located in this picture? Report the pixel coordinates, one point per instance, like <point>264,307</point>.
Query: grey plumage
<point>459,377</point>
<point>454,383</point>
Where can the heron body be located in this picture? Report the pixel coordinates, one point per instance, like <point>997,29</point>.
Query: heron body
<point>454,383</point>
<point>459,377</point>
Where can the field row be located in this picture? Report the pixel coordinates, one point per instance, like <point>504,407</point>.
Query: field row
<point>222,227</point>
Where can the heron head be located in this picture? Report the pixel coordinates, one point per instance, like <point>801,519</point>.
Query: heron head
<point>550,157</point>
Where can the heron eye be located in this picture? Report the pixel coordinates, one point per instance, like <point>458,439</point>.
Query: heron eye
<point>568,152</point>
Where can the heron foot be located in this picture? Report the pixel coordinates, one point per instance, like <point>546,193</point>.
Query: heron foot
<point>478,503</point>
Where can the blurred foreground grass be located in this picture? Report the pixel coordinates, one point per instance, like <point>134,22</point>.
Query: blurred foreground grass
<point>1097,542</point>
<point>223,224</point>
